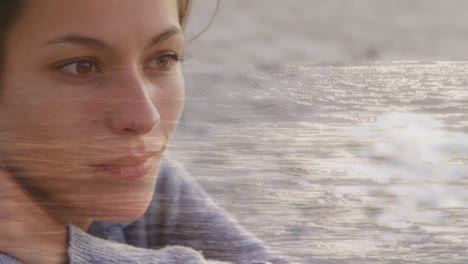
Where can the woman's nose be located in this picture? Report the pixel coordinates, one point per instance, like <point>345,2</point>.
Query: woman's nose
<point>132,111</point>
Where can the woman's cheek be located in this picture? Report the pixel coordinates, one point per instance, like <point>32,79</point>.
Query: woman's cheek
<point>170,99</point>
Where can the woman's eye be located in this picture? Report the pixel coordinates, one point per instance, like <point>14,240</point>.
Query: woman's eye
<point>79,68</point>
<point>164,62</point>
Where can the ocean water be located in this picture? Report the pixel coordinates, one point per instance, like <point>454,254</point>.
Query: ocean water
<point>335,163</point>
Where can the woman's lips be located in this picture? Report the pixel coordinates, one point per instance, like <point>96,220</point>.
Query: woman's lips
<point>135,166</point>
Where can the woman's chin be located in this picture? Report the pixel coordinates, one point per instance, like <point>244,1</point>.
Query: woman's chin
<point>120,201</point>
<point>117,210</point>
<point>121,213</point>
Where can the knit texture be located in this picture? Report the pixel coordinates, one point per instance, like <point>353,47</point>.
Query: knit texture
<point>85,248</point>
<point>5,259</point>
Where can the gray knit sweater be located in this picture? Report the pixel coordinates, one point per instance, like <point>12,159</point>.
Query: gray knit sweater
<point>181,225</point>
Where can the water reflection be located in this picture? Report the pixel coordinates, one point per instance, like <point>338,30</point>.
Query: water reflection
<point>418,167</point>
<point>333,164</point>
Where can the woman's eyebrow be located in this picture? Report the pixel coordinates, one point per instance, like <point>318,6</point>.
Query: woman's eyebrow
<point>171,31</point>
<point>99,44</point>
<point>78,40</point>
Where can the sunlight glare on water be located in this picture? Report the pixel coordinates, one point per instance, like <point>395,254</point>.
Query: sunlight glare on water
<point>413,158</point>
<point>336,164</point>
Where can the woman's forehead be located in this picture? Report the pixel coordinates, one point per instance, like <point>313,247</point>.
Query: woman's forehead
<point>105,19</point>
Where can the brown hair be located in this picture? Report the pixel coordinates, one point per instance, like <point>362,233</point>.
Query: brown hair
<point>10,11</point>
<point>184,11</point>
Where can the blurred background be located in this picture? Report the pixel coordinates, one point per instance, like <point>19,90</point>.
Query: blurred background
<point>268,32</point>
<point>347,161</point>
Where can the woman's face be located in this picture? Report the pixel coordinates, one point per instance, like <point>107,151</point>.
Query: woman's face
<point>91,89</point>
